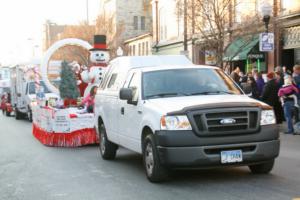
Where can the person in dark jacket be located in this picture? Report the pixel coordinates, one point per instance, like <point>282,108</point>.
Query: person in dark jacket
<point>254,90</point>
<point>269,96</point>
<point>235,75</point>
<point>260,83</point>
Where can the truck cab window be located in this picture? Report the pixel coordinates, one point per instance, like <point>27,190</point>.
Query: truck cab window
<point>134,84</point>
<point>26,91</point>
<point>112,81</point>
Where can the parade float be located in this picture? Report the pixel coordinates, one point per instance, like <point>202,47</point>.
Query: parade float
<point>64,122</point>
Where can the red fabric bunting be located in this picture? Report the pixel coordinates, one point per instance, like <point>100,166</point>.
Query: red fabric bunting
<point>73,139</point>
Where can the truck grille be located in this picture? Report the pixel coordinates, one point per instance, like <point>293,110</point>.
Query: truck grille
<point>225,121</point>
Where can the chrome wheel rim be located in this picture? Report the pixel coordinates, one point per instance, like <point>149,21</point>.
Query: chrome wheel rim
<point>149,160</point>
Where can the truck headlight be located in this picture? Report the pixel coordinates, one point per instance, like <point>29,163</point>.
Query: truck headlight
<point>175,123</point>
<point>267,117</point>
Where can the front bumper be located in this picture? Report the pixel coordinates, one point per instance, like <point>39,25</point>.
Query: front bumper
<point>185,149</point>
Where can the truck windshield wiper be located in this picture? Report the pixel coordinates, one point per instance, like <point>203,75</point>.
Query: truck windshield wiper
<point>211,92</point>
<point>167,94</point>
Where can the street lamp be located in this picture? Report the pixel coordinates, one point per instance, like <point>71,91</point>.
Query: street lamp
<point>266,10</point>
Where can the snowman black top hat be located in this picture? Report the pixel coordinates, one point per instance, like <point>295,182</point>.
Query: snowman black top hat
<point>99,43</point>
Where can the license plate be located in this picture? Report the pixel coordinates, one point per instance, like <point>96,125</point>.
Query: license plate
<point>231,156</point>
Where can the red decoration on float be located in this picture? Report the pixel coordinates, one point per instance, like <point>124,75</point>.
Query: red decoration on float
<point>74,139</point>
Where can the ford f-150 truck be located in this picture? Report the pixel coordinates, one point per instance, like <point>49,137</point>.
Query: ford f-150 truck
<point>180,115</point>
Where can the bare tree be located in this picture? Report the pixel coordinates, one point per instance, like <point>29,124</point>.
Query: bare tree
<point>106,25</point>
<point>214,27</point>
<point>70,53</point>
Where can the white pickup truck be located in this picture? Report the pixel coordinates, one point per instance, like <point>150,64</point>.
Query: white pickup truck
<point>179,115</point>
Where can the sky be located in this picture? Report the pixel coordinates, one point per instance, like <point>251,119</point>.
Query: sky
<point>21,24</point>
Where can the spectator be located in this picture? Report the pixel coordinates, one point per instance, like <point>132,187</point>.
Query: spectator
<point>254,90</point>
<point>89,100</point>
<point>285,71</point>
<point>270,96</point>
<point>288,98</point>
<point>278,78</point>
<point>279,72</point>
<point>260,83</point>
<point>296,76</point>
<point>246,86</point>
<point>235,75</point>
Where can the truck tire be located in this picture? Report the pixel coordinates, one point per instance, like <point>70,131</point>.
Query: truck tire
<point>263,168</point>
<point>7,113</point>
<point>154,170</point>
<point>29,115</point>
<point>107,149</point>
<point>17,114</point>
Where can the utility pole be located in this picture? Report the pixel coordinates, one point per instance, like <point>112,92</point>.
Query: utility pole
<point>185,26</point>
<point>87,12</point>
<point>156,24</point>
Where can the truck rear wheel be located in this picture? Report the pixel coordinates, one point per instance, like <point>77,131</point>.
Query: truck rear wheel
<point>263,168</point>
<point>17,114</point>
<point>7,113</point>
<point>108,149</point>
<point>154,170</point>
<point>29,115</point>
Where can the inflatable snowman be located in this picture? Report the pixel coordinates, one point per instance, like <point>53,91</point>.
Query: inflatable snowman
<point>99,56</point>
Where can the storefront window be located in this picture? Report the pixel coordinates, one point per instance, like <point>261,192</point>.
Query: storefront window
<point>288,6</point>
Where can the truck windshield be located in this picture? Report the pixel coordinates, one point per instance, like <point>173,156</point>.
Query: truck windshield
<point>187,82</point>
<point>32,87</point>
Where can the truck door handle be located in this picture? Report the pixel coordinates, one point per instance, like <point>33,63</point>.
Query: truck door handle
<point>122,110</point>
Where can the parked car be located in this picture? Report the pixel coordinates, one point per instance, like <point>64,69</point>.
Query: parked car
<point>180,115</point>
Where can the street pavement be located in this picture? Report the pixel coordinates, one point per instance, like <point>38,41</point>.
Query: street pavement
<point>32,171</point>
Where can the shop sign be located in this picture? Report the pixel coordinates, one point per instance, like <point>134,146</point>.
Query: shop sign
<point>210,58</point>
<point>266,42</point>
<point>255,56</point>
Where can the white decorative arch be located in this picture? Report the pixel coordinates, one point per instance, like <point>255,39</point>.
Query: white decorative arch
<point>57,45</point>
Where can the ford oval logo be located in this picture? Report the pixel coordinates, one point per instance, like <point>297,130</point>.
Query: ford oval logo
<point>228,121</point>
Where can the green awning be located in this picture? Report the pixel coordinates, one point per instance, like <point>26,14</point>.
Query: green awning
<point>240,48</point>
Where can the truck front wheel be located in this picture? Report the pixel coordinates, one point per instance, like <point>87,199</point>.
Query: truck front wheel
<point>154,170</point>
<point>263,168</point>
<point>29,115</point>
<point>108,149</point>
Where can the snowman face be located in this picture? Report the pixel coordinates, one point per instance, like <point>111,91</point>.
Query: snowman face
<point>99,56</point>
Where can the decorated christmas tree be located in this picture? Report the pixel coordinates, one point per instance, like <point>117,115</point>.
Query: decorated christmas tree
<point>68,86</point>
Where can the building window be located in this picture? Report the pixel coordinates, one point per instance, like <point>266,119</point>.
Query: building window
<point>147,48</point>
<point>143,25</point>
<point>135,23</point>
<point>139,49</point>
<point>130,53</point>
<point>143,48</point>
<point>133,50</point>
<point>288,6</point>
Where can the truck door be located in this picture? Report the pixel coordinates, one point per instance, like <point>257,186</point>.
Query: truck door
<point>130,114</point>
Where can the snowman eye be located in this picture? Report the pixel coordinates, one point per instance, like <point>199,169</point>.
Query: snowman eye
<point>97,54</point>
<point>102,54</point>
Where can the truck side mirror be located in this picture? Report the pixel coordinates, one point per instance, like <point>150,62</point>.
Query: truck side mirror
<point>126,94</point>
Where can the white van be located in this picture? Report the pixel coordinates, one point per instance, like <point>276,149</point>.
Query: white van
<point>23,93</point>
<point>179,115</point>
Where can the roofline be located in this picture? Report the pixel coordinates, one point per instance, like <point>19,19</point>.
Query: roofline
<point>137,38</point>
<point>177,67</point>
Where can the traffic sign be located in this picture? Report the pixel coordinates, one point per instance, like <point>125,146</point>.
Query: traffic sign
<point>266,42</point>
